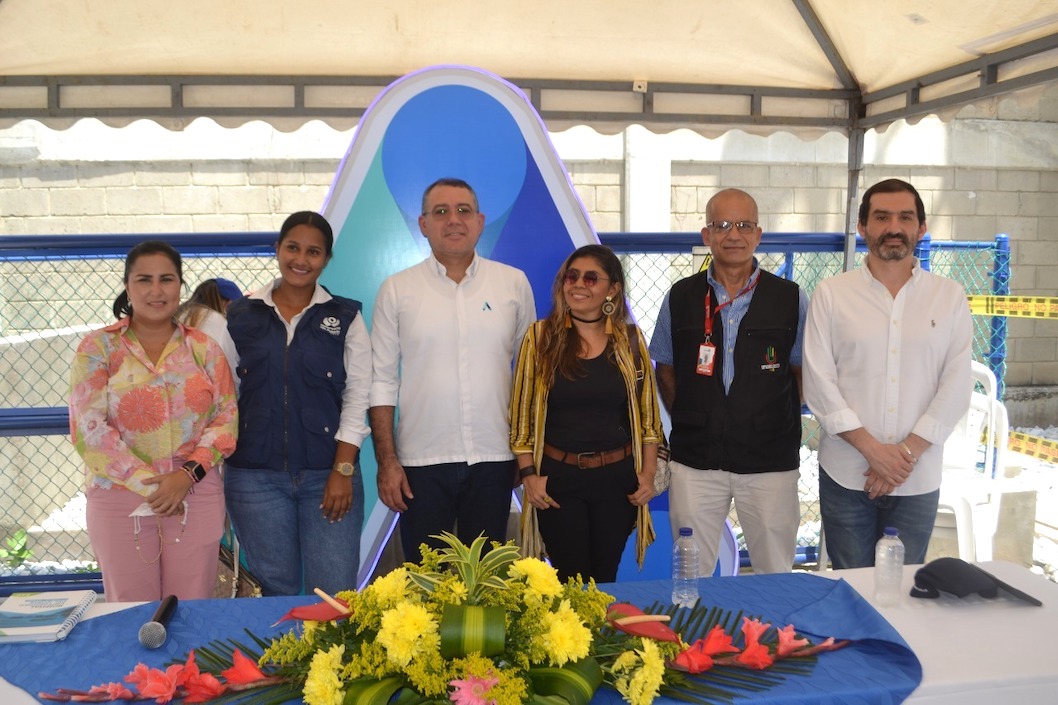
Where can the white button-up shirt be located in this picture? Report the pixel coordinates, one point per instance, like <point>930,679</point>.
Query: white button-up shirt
<point>442,355</point>
<point>893,366</point>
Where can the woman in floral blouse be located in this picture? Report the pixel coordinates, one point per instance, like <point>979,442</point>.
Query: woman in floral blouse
<point>152,413</point>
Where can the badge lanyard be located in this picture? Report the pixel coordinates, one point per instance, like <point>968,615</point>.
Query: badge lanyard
<point>707,351</point>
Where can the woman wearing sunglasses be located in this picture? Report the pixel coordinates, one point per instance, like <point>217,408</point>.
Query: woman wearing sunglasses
<point>585,423</point>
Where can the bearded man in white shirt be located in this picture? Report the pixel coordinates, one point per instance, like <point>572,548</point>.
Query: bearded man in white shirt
<point>443,335</point>
<point>887,374</point>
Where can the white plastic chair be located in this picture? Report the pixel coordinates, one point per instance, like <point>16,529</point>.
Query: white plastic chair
<point>969,496</point>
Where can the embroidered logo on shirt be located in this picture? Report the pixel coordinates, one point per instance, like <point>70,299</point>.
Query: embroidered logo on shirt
<point>332,325</point>
<point>486,307</point>
<point>770,365</point>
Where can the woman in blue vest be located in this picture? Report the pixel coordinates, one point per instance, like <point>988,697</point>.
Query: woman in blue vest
<point>293,486</point>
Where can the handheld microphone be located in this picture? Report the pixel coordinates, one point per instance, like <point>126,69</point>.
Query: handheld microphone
<point>153,633</point>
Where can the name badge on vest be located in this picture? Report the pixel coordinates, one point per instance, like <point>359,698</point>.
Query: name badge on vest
<point>706,358</point>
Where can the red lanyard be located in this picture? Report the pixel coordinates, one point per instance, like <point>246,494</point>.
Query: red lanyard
<point>709,306</point>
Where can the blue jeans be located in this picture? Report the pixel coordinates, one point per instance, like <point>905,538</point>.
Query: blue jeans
<point>466,499</point>
<point>290,546</point>
<point>853,523</point>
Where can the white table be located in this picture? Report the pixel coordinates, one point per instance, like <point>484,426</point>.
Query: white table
<point>974,650</point>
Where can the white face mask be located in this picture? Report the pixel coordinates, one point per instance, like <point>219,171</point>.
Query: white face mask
<point>144,510</point>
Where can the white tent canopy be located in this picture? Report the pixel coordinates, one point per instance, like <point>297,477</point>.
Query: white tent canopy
<point>707,65</point>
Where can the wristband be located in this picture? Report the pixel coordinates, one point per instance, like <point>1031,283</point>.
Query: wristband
<point>526,472</point>
<point>190,476</point>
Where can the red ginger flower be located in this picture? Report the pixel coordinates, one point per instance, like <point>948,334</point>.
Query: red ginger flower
<point>828,645</point>
<point>203,687</point>
<point>243,670</point>
<point>697,658</point>
<point>115,691</point>
<point>717,641</point>
<point>788,642</point>
<point>693,659</point>
<point>200,687</point>
<point>755,656</point>
<point>155,683</point>
<point>753,630</point>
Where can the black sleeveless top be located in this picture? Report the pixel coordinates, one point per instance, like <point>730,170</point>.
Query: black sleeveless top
<point>589,413</point>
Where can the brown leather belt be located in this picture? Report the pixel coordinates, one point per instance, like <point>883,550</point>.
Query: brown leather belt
<point>595,459</point>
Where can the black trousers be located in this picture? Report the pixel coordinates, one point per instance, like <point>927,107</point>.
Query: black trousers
<point>587,532</point>
<point>469,500</point>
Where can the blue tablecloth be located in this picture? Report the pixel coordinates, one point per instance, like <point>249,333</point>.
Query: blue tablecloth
<point>878,668</point>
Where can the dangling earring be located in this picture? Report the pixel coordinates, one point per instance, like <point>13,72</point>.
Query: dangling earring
<point>569,321</point>
<point>608,308</point>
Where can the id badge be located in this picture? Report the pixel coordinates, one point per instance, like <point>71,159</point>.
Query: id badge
<point>706,356</point>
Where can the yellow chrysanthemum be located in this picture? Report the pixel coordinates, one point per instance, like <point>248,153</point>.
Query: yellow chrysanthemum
<point>565,638</point>
<point>541,580</point>
<point>391,588</point>
<point>322,686</point>
<point>642,686</point>
<point>458,590</point>
<point>625,662</point>
<point>406,631</point>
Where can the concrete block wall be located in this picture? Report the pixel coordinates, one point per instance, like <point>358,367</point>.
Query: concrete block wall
<point>978,177</point>
<point>962,203</point>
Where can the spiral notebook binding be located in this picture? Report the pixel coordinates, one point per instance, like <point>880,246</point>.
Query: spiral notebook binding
<point>75,616</point>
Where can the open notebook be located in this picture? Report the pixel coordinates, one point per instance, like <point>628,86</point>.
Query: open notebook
<point>42,616</point>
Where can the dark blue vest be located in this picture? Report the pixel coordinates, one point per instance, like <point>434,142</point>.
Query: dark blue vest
<point>757,426</point>
<point>290,397</point>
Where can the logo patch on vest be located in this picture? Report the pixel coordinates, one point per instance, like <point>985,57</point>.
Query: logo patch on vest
<point>332,325</point>
<point>770,365</point>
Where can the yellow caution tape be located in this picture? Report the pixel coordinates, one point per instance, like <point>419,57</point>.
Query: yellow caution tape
<point>1018,306</point>
<point>1032,446</point>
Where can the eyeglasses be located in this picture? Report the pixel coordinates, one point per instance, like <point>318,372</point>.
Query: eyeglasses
<point>441,212</point>
<point>744,227</point>
<point>590,278</point>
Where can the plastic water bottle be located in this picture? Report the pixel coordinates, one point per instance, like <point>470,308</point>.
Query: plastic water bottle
<point>888,568</point>
<point>685,569</point>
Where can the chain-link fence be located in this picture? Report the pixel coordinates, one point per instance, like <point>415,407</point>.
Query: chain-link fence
<point>650,275</point>
<point>53,290</point>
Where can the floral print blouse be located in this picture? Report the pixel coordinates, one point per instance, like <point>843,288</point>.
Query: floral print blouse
<point>131,419</point>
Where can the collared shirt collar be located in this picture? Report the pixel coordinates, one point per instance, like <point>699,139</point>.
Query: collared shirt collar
<point>441,270</point>
<point>319,294</point>
<point>123,325</point>
<point>755,274</point>
<point>868,275</point>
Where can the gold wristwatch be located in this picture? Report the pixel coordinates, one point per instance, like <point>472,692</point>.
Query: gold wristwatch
<point>345,469</point>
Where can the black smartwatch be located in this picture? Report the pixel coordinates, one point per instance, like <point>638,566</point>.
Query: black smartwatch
<point>196,469</point>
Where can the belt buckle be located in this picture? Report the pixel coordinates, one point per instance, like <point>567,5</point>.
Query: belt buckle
<point>581,459</point>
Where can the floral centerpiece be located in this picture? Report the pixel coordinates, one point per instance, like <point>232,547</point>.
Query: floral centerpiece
<point>478,628</point>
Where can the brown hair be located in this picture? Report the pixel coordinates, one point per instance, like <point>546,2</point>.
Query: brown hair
<point>204,298</point>
<point>559,347</point>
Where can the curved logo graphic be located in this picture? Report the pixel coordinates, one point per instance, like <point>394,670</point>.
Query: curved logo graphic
<point>457,122</point>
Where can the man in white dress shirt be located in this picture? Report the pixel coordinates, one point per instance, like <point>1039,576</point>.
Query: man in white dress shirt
<point>443,335</point>
<point>887,374</point>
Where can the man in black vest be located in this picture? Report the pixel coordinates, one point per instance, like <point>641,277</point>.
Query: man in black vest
<point>728,351</point>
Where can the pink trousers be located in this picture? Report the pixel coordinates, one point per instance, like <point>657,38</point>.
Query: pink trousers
<point>146,558</point>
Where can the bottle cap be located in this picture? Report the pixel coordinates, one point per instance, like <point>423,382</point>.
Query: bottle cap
<point>686,531</point>
<point>891,531</point>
